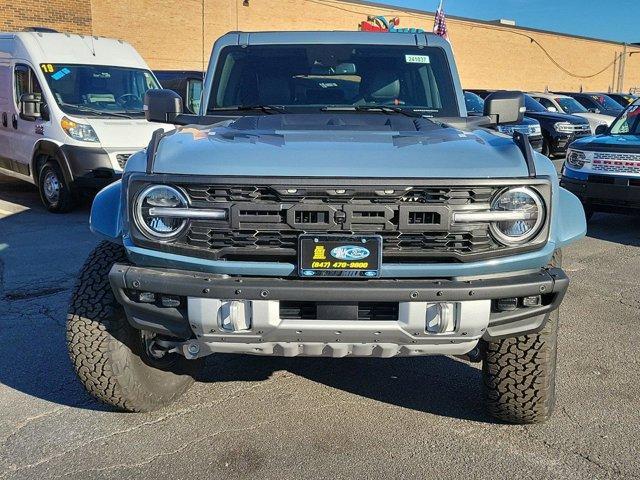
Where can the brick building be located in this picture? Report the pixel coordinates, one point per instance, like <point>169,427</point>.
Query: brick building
<point>178,34</point>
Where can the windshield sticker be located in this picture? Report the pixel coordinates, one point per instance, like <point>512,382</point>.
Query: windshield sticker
<point>60,73</point>
<point>417,59</point>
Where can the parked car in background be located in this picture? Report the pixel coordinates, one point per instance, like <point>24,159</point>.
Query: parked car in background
<point>186,83</point>
<point>565,104</point>
<point>71,111</point>
<point>558,129</point>
<point>528,126</point>
<point>604,171</point>
<point>624,99</point>
<point>596,103</point>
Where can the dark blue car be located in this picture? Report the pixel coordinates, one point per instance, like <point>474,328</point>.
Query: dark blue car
<point>604,170</point>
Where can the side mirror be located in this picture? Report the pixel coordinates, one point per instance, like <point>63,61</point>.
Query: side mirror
<point>602,129</point>
<point>505,107</point>
<point>594,110</point>
<point>30,104</point>
<point>552,109</point>
<point>162,106</point>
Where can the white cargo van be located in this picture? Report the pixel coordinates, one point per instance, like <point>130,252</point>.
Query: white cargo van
<point>70,111</point>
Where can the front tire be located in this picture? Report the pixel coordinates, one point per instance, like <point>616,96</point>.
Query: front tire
<point>108,354</point>
<point>55,194</point>
<point>519,373</point>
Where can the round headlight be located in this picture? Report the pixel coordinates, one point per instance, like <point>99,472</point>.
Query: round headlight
<point>576,158</point>
<point>154,225</point>
<point>522,200</point>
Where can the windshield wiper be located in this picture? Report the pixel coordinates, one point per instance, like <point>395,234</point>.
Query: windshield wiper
<point>86,109</point>
<point>375,108</point>
<point>268,109</point>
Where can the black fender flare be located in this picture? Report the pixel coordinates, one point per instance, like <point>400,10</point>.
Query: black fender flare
<point>51,149</point>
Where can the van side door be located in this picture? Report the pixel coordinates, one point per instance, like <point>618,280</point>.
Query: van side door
<point>26,131</point>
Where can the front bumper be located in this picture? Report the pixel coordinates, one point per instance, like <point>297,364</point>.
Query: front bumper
<point>195,329</point>
<point>605,192</point>
<point>89,168</point>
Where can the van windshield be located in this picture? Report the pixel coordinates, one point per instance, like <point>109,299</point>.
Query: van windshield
<point>100,90</point>
<point>317,78</point>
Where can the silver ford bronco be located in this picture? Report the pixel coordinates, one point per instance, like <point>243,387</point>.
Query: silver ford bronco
<point>331,198</point>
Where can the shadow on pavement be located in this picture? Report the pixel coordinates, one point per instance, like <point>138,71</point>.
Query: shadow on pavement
<point>437,385</point>
<point>622,229</point>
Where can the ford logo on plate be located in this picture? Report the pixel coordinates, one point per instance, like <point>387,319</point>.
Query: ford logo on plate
<point>350,252</point>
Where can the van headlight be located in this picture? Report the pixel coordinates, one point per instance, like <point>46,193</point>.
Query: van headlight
<point>524,215</point>
<point>150,214</point>
<point>79,131</point>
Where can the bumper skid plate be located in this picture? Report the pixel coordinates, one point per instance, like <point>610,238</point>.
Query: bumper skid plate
<point>217,313</point>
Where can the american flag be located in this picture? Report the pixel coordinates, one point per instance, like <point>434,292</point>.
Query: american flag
<point>440,23</point>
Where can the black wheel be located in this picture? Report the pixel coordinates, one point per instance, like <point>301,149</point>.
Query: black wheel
<point>545,148</point>
<point>55,194</point>
<point>110,356</point>
<point>519,373</point>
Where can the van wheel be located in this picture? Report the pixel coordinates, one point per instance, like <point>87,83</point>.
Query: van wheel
<point>109,355</point>
<point>55,194</point>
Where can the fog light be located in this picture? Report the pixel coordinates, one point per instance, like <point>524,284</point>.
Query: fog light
<point>234,315</point>
<point>440,318</point>
<point>170,302</point>
<point>532,301</point>
<point>147,297</point>
<point>507,304</point>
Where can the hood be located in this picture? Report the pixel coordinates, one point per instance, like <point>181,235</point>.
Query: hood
<point>610,143</point>
<point>124,133</point>
<point>338,145</point>
<point>598,118</point>
<point>554,117</point>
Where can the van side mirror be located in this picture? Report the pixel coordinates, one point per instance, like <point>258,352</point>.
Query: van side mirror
<point>552,109</point>
<point>602,129</point>
<point>162,105</point>
<point>30,104</point>
<point>593,110</point>
<point>505,107</point>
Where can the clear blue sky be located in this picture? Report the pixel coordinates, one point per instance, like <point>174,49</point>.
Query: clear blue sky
<point>611,19</point>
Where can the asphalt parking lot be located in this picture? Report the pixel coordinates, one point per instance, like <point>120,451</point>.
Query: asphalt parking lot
<point>253,417</point>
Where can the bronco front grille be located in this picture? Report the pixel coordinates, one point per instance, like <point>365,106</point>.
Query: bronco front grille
<point>266,221</point>
<point>614,162</point>
<point>414,218</point>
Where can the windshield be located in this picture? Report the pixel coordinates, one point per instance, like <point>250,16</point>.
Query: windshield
<point>533,106</point>
<point>98,89</point>
<point>475,103</point>
<point>310,77</point>
<point>570,105</point>
<point>606,102</point>
<point>628,123</point>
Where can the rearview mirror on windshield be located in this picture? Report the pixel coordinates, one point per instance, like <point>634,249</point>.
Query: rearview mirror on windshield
<point>162,105</point>
<point>505,107</point>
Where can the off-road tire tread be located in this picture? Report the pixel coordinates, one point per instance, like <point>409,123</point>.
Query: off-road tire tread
<point>99,339</point>
<point>519,372</point>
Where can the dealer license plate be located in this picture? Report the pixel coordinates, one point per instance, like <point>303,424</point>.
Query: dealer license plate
<point>339,256</point>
